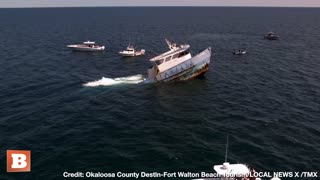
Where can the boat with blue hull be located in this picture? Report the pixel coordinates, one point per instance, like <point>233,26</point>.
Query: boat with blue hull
<point>177,64</point>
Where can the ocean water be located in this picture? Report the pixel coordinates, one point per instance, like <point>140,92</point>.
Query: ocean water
<point>69,109</point>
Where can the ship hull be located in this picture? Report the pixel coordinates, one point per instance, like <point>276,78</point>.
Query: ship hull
<point>196,71</point>
<point>189,69</point>
<point>131,55</point>
<point>272,37</point>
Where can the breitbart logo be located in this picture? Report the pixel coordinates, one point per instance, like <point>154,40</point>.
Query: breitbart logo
<point>18,161</point>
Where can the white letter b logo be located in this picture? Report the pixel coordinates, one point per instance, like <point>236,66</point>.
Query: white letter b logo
<point>18,161</point>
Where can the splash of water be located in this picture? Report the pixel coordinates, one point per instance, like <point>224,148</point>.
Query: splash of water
<point>135,79</point>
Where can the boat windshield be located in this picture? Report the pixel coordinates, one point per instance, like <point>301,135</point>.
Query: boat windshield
<point>183,53</point>
<point>158,62</point>
<point>168,59</point>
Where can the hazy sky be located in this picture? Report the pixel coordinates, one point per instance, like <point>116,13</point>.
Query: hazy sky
<point>75,3</point>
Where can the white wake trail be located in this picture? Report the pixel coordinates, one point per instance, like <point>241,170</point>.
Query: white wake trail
<point>135,79</point>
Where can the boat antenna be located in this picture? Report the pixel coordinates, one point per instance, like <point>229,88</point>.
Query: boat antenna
<point>226,157</point>
<point>170,44</point>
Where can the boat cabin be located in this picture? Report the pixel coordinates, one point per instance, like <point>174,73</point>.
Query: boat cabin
<point>176,53</point>
<point>130,48</point>
<point>232,171</point>
<point>89,43</point>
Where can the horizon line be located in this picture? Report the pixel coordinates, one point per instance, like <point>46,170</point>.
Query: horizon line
<point>39,7</point>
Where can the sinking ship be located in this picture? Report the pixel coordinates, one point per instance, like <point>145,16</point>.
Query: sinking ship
<point>177,64</point>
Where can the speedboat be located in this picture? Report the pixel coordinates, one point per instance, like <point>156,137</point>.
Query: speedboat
<point>131,51</point>
<point>240,52</point>
<point>233,171</point>
<point>271,36</point>
<point>86,46</point>
<point>228,171</point>
<point>177,64</point>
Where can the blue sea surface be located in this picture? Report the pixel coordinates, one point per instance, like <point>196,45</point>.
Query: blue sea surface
<point>268,100</point>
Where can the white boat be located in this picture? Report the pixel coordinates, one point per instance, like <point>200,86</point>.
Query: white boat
<point>228,171</point>
<point>177,64</point>
<point>86,46</point>
<point>232,171</point>
<point>240,52</point>
<point>131,51</point>
<point>271,36</point>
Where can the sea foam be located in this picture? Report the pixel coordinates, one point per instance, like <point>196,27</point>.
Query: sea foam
<point>135,79</point>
